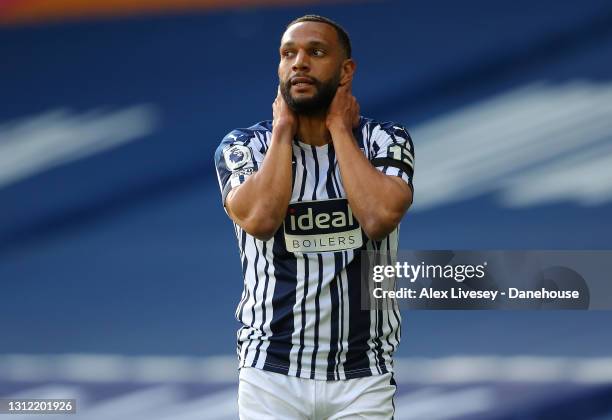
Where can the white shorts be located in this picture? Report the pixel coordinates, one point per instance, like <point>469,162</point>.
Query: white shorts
<point>266,395</point>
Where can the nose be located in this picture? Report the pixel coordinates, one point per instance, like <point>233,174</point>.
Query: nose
<point>301,62</point>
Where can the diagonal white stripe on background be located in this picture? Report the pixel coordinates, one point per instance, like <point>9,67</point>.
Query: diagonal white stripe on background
<point>585,177</point>
<point>35,144</point>
<point>474,150</point>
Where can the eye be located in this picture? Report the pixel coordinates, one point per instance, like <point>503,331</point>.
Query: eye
<point>318,52</point>
<point>287,53</point>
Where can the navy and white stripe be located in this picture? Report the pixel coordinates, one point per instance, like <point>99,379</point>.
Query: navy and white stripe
<point>301,312</point>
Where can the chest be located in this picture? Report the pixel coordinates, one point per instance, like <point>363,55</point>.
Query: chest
<point>316,174</point>
<point>319,218</point>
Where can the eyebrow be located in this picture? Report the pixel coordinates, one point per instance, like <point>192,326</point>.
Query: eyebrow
<point>310,44</point>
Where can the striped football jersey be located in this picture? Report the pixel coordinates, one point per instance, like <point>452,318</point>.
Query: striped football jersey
<point>301,303</point>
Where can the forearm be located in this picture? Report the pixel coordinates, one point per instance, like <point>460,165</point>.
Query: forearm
<point>260,204</point>
<point>377,200</point>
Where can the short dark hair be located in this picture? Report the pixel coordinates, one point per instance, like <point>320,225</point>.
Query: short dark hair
<point>343,36</point>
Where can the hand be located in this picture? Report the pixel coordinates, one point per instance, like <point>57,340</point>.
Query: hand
<point>283,116</point>
<point>344,109</point>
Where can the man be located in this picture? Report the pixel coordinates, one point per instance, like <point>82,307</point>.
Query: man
<point>306,192</point>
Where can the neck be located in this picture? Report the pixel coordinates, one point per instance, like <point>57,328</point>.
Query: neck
<point>313,130</point>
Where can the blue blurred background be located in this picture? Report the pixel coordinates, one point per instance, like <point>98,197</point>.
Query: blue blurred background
<point>113,239</point>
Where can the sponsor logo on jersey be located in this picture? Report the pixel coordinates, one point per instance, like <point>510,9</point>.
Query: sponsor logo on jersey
<point>321,226</point>
<point>236,156</point>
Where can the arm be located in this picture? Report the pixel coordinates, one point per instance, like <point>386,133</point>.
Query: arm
<point>378,201</point>
<point>259,204</point>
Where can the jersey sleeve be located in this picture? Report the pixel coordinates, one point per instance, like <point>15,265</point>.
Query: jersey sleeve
<point>238,156</point>
<point>392,151</point>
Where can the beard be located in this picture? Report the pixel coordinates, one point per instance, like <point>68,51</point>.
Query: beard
<point>315,105</point>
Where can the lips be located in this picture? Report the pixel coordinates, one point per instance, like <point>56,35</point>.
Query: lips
<point>302,80</point>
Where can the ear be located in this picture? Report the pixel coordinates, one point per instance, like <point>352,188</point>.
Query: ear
<point>347,71</point>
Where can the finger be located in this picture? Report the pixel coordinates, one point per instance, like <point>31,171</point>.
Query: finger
<point>348,81</point>
<point>342,90</point>
<point>348,85</point>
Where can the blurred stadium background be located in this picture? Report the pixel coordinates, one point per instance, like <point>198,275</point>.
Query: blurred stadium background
<point>118,266</point>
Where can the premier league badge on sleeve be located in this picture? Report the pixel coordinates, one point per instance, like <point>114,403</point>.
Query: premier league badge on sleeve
<point>236,156</point>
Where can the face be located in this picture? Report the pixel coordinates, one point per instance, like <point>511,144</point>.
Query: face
<point>311,67</point>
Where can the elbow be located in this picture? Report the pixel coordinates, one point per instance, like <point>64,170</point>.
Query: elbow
<point>262,235</point>
<point>379,222</point>
<point>260,228</point>
<point>257,221</point>
<point>264,223</point>
<point>380,225</point>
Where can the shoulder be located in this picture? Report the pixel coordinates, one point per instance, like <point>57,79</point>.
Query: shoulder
<point>375,129</point>
<point>254,137</point>
<point>245,136</point>
<point>379,137</point>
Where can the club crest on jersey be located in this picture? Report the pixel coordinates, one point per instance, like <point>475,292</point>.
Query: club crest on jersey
<point>321,226</point>
<point>236,156</point>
